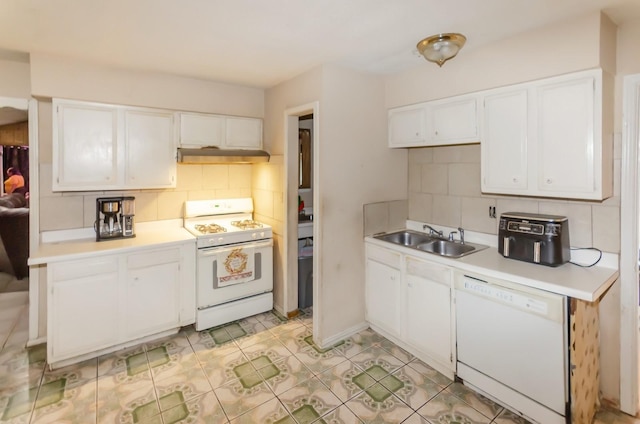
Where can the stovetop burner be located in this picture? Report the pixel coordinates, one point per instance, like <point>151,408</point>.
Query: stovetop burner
<point>210,228</point>
<point>247,224</point>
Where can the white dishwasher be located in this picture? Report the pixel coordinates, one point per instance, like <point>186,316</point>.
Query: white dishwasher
<point>512,344</point>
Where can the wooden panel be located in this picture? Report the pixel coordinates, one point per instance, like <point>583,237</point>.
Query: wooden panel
<point>584,354</point>
<point>15,134</point>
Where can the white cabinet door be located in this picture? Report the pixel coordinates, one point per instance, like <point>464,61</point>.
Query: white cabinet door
<point>382,295</point>
<point>152,293</point>
<point>428,324</point>
<point>504,150</point>
<point>407,126</point>
<point>553,147</point>
<point>151,150</point>
<point>243,133</point>
<point>453,121</point>
<point>85,146</point>
<point>565,132</point>
<point>383,289</point>
<point>201,130</point>
<point>82,307</point>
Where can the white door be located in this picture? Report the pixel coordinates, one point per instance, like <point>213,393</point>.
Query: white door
<point>151,150</point>
<point>504,143</point>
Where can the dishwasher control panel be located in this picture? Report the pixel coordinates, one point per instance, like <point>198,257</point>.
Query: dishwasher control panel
<point>504,295</point>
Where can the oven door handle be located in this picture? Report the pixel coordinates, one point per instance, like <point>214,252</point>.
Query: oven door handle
<point>212,251</point>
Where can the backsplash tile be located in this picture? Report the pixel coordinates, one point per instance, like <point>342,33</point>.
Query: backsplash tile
<point>435,179</point>
<point>382,217</point>
<point>453,198</point>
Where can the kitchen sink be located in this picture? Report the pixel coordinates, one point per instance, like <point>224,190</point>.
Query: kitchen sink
<point>406,238</point>
<point>431,244</point>
<point>447,248</point>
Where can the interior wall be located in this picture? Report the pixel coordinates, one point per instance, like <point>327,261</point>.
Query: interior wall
<point>53,76</point>
<point>355,168</point>
<point>15,79</point>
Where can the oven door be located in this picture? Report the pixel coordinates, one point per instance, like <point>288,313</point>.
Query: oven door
<point>214,289</point>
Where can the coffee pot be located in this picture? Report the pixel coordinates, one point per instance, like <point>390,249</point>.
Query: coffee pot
<point>114,217</point>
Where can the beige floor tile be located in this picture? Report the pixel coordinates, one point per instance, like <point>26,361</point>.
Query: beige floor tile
<point>269,412</point>
<point>376,404</point>
<point>203,409</point>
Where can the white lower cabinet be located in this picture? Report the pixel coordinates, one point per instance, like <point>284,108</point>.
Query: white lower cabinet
<point>383,289</point>
<point>428,307</point>
<point>83,296</point>
<point>99,303</point>
<point>409,300</point>
<point>151,292</point>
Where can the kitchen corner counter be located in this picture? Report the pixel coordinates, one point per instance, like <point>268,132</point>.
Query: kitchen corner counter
<point>155,234</point>
<point>588,284</point>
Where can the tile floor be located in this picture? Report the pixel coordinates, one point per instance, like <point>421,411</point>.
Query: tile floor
<point>263,369</point>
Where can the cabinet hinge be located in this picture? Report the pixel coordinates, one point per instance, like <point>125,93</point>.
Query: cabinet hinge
<point>451,357</point>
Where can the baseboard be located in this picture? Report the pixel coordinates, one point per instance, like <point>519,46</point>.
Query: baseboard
<point>38,341</point>
<point>330,341</point>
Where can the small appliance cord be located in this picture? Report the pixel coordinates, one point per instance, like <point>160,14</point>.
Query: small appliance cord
<point>587,248</point>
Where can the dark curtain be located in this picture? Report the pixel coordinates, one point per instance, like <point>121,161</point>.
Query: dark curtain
<point>18,158</point>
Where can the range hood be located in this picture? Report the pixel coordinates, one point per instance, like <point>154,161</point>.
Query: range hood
<point>214,155</point>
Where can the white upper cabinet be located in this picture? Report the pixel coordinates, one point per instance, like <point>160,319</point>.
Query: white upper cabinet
<point>85,146</point>
<point>150,160</point>
<point>108,147</point>
<point>453,121</point>
<point>549,138</point>
<point>244,133</point>
<point>440,122</point>
<point>204,130</point>
<point>566,134</point>
<point>504,143</point>
<point>407,126</point>
<point>200,130</point>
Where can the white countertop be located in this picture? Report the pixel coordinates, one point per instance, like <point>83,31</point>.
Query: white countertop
<point>153,234</point>
<point>587,284</point>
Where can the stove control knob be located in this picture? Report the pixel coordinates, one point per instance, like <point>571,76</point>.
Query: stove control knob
<point>262,234</point>
<point>220,239</point>
<point>254,236</point>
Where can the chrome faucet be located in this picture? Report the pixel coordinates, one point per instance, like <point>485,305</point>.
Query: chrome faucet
<point>432,231</point>
<point>451,235</point>
<point>461,231</point>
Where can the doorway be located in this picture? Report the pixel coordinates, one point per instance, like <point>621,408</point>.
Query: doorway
<point>312,205</point>
<point>14,240</point>
<point>629,248</point>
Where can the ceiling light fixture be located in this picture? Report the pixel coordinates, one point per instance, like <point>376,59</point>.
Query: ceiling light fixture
<point>441,47</point>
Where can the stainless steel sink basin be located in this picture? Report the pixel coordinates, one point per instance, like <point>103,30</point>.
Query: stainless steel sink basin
<point>406,238</point>
<point>430,244</point>
<point>447,248</point>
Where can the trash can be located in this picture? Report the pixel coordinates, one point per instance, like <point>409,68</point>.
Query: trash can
<point>305,277</point>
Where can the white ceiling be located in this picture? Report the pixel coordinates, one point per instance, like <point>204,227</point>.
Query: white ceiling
<point>261,43</point>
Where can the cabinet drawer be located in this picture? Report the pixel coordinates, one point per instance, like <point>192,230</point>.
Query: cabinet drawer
<point>383,256</point>
<point>433,272</point>
<point>151,258</point>
<point>83,268</point>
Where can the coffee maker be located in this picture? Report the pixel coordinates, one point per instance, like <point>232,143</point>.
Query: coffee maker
<point>114,217</point>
